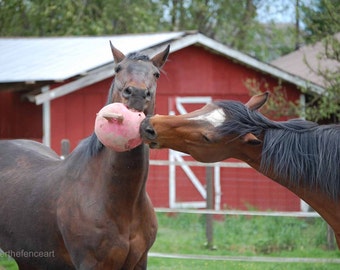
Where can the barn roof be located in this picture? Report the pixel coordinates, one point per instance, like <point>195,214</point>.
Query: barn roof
<point>87,60</point>
<point>306,61</point>
<point>60,58</point>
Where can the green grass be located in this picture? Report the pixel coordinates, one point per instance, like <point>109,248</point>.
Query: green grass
<point>7,263</point>
<point>242,236</point>
<point>236,236</point>
<point>170,264</point>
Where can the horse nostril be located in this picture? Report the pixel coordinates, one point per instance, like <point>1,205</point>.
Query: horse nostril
<point>147,94</point>
<point>127,92</point>
<point>150,132</point>
<point>146,129</point>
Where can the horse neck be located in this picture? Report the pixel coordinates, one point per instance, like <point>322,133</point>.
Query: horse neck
<point>119,176</point>
<point>327,207</point>
<point>322,203</point>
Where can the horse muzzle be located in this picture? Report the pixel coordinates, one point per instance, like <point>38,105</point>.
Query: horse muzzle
<point>148,133</point>
<point>138,99</point>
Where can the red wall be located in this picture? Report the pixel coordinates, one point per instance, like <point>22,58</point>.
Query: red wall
<point>241,188</point>
<point>19,118</point>
<point>73,116</point>
<point>195,71</point>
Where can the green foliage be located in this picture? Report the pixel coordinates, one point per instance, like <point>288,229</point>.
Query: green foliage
<point>322,24</point>
<point>244,32</point>
<point>327,105</point>
<point>77,17</point>
<point>321,19</point>
<point>278,104</point>
<point>233,23</point>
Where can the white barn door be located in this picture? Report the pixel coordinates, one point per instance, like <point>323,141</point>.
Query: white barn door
<point>177,161</point>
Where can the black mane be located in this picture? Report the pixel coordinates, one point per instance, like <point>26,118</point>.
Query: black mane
<point>300,152</point>
<point>92,145</point>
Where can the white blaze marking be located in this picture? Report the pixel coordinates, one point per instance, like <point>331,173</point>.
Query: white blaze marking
<point>215,117</point>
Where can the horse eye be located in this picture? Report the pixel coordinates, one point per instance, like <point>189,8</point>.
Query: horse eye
<point>118,68</point>
<point>206,138</point>
<point>156,74</point>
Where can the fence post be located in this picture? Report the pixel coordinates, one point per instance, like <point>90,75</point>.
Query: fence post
<point>210,205</point>
<point>330,238</point>
<point>65,148</point>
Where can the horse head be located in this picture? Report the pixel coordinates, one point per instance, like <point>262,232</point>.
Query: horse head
<point>135,79</point>
<point>201,133</point>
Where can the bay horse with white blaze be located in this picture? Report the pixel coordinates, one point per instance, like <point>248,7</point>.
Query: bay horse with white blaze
<point>91,210</point>
<point>300,155</point>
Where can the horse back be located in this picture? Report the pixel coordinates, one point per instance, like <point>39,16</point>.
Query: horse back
<point>27,202</point>
<point>14,148</point>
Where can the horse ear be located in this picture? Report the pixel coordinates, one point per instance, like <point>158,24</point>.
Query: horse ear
<point>118,56</point>
<point>159,59</point>
<point>250,138</point>
<point>257,101</point>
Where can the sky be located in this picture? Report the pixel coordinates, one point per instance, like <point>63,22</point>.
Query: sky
<point>280,11</point>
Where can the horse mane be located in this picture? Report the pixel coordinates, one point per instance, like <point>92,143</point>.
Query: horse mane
<point>92,146</point>
<point>300,152</point>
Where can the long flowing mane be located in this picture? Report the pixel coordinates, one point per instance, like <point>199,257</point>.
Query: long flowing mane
<point>300,152</point>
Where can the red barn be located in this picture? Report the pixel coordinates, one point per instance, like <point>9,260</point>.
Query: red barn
<point>52,88</point>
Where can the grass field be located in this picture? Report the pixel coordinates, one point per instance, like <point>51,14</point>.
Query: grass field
<point>282,237</point>
<point>242,236</point>
<point>7,263</point>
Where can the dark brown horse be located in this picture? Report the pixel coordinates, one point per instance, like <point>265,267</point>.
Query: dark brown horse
<point>91,210</point>
<point>300,155</point>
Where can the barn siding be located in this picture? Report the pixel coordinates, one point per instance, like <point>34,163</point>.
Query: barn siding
<point>73,115</point>
<point>241,189</point>
<point>19,118</point>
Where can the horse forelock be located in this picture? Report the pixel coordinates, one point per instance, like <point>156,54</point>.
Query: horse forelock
<point>302,153</point>
<point>240,120</point>
<point>138,56</point>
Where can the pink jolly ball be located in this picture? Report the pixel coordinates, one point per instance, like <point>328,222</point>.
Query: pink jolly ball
<point>122,133</point>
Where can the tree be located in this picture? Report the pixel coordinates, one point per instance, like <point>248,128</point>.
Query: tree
<point>45,18</point>
<point>321,20</point>
<point>323,24</point>
<point>278,105</point>
<point>234,23</point>
<point>133,16</point>
<point>77,17</point>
